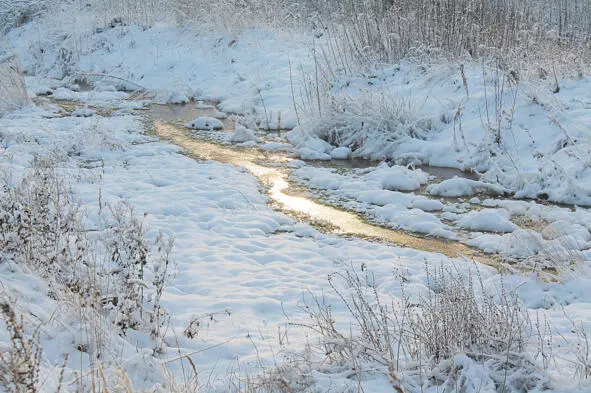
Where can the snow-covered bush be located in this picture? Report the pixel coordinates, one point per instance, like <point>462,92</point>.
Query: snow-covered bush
<point>451,338</point>
<point>118,271</point>
<point>128,251</point>
<point>453,319</point>
<point>39,222</point>
<point>16,12</point>
<point>370,126</point>
<point>134,298</point>
<point>13,92</point>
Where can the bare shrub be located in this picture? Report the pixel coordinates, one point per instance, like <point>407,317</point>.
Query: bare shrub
<point>453,318</point>
<point>580,347</point>
<point>535,35</point>
<point>20,363</point>
<point>284,378</point>
<point>42,227</point>
<point>522,31</point>
<point>128,252</point>
<point>39,221</point>
<point>163,269</point>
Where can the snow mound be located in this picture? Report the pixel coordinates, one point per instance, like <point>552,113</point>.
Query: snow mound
<point>522,243</point>
<point>341,153</point>
<point>311,154</point>
<point>220,115</point>
<point>399,178</point>
<point>427,205</point>
<point>61,93</point>
<point>203,105</point>
<point>205,123</point>
<point>83,112</point>
<point>176,97</point>
<point>277,146</point>
<point>488,220</point>
<point>458,186</point>
<point>414,220</point>
<point>242,134</point>
<point>309,147</point>
<point>561,228</point>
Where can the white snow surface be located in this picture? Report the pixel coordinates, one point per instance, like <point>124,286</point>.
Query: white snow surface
<point>243,266</point>
<point>234,252</point>
<point>205,123</point>
<point>543,151</point>
<point>243,134</point>
<point>487,220</point>
<point>464,187</point>
<point>369,191</point>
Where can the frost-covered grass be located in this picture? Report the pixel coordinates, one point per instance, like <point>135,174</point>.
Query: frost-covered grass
<point>456,337</point>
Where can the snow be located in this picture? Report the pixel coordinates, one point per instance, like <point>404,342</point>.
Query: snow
<point>313,154</point>
<point>177,97</point>
<point>206,123</point>
<point>202,105</point>
<point>415,220</point>
<point>488,220</point>
<point>83,112</point>
<point>243,134</point>
<point>244,265</point>
<point>398,178</point>
<point>233,250</point>
<point>521,243</point>
<point>340,153</point>
<point>277,147</point>
<point>220,115</point>
<point>464,187</point>
<point>367,188</point>
<point>564,228</point>
<point>249,73</point>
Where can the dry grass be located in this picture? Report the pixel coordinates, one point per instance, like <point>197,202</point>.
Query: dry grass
<point>20,362</point>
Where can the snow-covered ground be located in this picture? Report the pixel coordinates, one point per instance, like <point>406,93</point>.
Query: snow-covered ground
<point>397,197</point>
<point>245,270</point>
<point>518,133</point>
<point>242,267</point>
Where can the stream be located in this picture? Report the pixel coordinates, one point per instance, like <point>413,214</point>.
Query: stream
<point>271,171</point>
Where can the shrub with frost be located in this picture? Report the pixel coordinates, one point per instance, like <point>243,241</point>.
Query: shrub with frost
<point>458,336</point>
<point>13,92</point>
<point>118,271</point>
